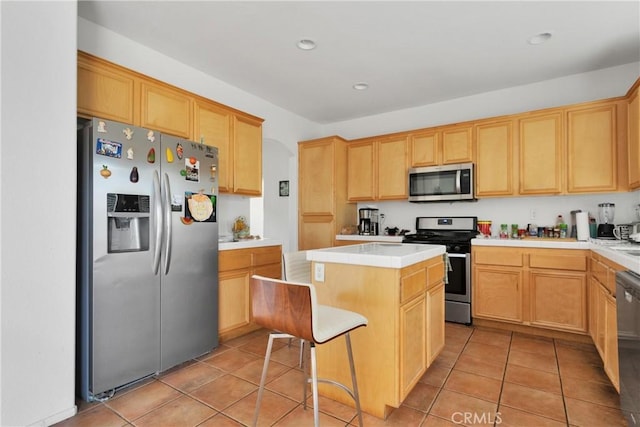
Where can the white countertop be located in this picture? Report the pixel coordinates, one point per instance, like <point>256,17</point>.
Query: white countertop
<point>358,237</point>
<point>631,262</point>
<point>386,255</point>
<point>249,243</point>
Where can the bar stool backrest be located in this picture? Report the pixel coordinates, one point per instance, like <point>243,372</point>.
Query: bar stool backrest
<point>296,267</point>
<point>284,306</point>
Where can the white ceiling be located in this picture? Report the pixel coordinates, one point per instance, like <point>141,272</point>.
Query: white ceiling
<point>410,53</point>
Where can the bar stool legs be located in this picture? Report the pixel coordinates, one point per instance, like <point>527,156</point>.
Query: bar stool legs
<point>314,380</point>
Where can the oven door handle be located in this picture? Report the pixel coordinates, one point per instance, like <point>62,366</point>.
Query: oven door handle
<point>456,255</point>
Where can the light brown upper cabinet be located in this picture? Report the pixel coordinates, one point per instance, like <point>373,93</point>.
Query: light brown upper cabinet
<point>441,145</point>
<point>424,148</point>
<point>165,109</point>
<point>105,91</point>
<point>322,192</point>
<point>377,169</point>
<point>591,149</point>
<point>239,142</point>
<point>113,92</point>
<point>213,126</point>
<point>633,130</point>
<point>457,143</point>
<point>247,156</point>
<point>494,158</point>
<point>541,153</point>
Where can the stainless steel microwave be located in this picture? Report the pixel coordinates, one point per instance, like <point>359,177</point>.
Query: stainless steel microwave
<point>441,183</point>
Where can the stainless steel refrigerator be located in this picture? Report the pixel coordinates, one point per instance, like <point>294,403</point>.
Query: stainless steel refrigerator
<point>147,254</point>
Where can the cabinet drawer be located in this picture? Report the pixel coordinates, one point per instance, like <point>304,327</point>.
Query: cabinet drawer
<point>274,271</point>
<point>234,259</point>
<point>412,284</point>
<point>263,256</point>
<point>558,262</point>
<point>506,257</point>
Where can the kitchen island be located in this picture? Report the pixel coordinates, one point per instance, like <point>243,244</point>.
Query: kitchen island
<point>400,289</point>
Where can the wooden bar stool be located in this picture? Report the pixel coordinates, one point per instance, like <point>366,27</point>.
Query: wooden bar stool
<point>292,311</point>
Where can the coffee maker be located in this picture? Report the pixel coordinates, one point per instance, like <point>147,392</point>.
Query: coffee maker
<point>368,224</point>
<point>605,216</point>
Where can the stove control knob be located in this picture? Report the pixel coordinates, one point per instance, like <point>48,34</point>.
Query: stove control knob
<point>456,248</point>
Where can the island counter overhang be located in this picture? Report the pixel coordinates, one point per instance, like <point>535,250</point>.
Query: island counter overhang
<point>400,289</point>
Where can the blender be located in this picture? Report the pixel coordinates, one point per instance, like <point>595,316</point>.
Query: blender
<point>605,216</point>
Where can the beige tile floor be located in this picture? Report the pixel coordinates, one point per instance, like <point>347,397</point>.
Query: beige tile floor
<point>482,377</point>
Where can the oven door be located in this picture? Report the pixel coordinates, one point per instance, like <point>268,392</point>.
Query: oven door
<point>458,287</point>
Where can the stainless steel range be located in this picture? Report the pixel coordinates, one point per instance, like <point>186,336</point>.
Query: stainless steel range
<point>456,234</point>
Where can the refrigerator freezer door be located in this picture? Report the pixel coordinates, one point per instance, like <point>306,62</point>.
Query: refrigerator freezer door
<point>120,320</point>
<point>189,301</point>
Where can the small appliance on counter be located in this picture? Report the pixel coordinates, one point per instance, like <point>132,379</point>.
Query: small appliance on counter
<point>368,223</point>
<point>606,212</point>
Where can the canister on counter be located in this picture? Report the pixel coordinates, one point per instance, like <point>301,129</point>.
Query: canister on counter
<point>514,231</point>
<point>504,231</point>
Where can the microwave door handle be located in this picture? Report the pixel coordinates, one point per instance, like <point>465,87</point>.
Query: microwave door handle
<point>458,180</point>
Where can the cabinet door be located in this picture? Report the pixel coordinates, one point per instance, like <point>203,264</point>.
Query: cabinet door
<point>592,146</point>
<point>601,321</point>
<point>212,125</point>
<point>558,300</point>
<point>611,342</point>
<point>316,178</point>
<point>593,308</point>
<point>541,154</point>
<point>361,171</point>
<point>165,109</point>
<point>413,326</point>
<point>494,159</point>
<point>497,293</point>
<point>233,294</point>
<point>424,149</point>
<point>105,91</point>
<point>247,156</point>
<point>435,322</point>
<point>315,232</point>
<point>392,169</point>
<point>633,123</point>
<point>457,144</point>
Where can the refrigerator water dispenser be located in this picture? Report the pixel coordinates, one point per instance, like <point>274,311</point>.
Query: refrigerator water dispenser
<point>128,223</point>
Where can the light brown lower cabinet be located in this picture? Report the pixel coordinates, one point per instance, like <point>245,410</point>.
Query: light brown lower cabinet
<point>543,288</point>
<point>234,300</point>
<point>552,289</point>
<point>603,324</point>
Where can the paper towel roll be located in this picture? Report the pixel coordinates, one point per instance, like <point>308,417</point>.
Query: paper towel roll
<point>582,225</point>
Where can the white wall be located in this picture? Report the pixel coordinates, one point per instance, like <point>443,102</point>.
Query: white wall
<point>512,210</point>
<point>37,196</point>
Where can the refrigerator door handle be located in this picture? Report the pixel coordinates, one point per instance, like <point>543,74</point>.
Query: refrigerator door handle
<point>167,222</point>
<point>157,206</point>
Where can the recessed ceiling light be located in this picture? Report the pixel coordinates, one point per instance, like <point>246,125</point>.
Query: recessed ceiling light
<point>539,38</point>
<point>361,86</point>
<point>306,44</point>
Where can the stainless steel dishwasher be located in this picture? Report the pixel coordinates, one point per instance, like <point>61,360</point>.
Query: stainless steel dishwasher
<point>628,314</point>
